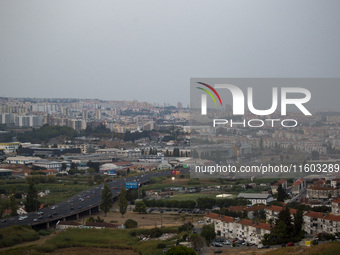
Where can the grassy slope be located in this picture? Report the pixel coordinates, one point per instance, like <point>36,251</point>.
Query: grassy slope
<point>322,249</point>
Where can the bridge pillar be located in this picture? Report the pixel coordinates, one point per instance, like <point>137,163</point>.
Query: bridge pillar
<point>47,225</point>
<point>77,216</point>
<point>64,219</point>
<point>90,213</point>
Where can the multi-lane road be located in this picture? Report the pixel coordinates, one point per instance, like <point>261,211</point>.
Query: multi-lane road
<point>84,202</point>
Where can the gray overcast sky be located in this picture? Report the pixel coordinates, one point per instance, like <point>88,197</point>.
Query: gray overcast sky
<point>149,50</point>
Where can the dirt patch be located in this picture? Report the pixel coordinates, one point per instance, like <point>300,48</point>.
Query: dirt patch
<point>91,251</point>
<point>244,251</point>
<point>147,220</point>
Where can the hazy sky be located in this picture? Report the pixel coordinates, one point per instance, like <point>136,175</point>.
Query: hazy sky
<point>149,50</point>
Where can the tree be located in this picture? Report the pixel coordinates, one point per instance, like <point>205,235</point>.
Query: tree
<point>122,202</point>
<point>4,203</point>
<point>281,193</point>
<point>140,207</point>
<point>13,205</point>
<point>284,228</point>
<point>197,242</point>
<point>32,202</point>
<point>63,167</point>
<point>106,202</point>
<point>298,222</point>
<point>188,227</point>
<point>180,250</point>
<point>90,181</point>
<point>94,165</point>
<point>208,233</point>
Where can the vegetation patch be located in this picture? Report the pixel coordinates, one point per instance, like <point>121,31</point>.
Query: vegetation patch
<point>16,234</point>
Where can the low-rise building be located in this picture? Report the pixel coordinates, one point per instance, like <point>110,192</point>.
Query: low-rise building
<point>276,185</point>
<point>335,183</point>
<point>243,229</point>
<point>273,211</point>
<point>5,173</point>
<point>256,198</point>
<point>315,223</point>
<point>299,186</point>
<point>316,192</point>
<point>22,160</point>
<point>336,206</point>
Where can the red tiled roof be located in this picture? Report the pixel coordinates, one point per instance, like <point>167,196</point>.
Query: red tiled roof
<point>213,216</point>
<point>255,208</point>
<point>323,216</point>
<point>279,182</point>
<point>315,214</point>
<point>49,171</point>
<point>333,217</point>
<point>122,163</point>
<point>237,208</point>
<point>336,200</point>
<point>255,224</point>
<point>321,188</point>
<point>276,208</point>
<point>298,181</point>
<point>227,219</point>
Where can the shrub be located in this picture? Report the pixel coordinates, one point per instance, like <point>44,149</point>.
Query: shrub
<point>43,232</point>
<point>161,246</point>
<point>155,232</point>
<point>129,223</point>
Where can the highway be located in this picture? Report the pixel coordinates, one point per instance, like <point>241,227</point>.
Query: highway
<point>85,201</point>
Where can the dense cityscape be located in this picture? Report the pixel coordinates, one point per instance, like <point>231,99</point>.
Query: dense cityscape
<point>61,156</point>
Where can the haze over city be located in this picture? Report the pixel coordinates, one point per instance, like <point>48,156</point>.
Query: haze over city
<point>123,50</point>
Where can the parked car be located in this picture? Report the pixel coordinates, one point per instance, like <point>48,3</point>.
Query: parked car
<point>216,244</point>
<point>226,242</point>
<point>290,244</point>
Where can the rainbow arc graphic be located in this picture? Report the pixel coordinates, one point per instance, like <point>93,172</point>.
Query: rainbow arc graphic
<point>209,93</point>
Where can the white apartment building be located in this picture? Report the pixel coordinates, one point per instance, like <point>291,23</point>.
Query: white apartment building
<point>243,229</point>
